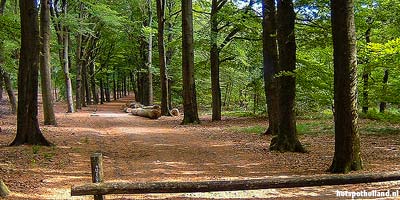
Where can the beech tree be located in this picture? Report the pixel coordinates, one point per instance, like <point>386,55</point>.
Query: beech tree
<point>286,140</point>
<point>28,131</point>
<point>47,91</point>
<point>162,58</point>
<point>189,89</point>
<point>347,140</point>
<point>270,61</point>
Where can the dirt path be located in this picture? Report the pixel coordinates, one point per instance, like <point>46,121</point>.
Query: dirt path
<point>140,149</point>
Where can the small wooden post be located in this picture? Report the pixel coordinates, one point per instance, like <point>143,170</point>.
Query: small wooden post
<point>3,189</point>
<point>96,162</point>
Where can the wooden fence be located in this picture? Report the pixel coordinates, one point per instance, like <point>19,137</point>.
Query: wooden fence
<point>98,188</point>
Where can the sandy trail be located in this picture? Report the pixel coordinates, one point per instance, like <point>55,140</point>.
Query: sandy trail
<point>140,149</point>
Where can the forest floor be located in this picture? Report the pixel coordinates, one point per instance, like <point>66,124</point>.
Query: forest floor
<point>140,149</point>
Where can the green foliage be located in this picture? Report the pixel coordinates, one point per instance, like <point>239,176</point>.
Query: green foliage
<point>392,115</point>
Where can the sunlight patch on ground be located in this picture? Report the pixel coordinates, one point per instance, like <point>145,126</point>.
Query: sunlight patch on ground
<point>62,179</point>
<point>111,115</point>
<point>142,130</point>
<point>64,193</point>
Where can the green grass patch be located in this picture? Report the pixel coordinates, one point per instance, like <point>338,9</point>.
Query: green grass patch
<point>314,127</point>
<point>324,114</point>
<point>242,114</point>
<point>257,129</point>
<point>392,116</point>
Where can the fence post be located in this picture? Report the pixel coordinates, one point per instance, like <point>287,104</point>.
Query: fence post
<point>96,162</point>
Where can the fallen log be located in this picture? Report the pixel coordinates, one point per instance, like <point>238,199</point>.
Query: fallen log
<point>174,112</point>
<point>127,110</point>
<point>149,113</point>
<point>248,184</point>
<point>3,189</point>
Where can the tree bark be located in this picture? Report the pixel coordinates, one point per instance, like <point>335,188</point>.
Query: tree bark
<point>67,77</point>
<point>85,79</point>
<point>214,59</point>
<point>162,59</point>
<point>102,99</point>
<point>45,58</point>
<point>365,76</point>
<point>347,140</point>
<point>149,113</point>
<point>382,105</point>
<point>108,96</point>
<point>189,88</point>
<point>114,87</point>
<point>270,61</point>
<point>10,91</point>
<point>78,90</point>
<point>28,131</point>
<point>2,6</point>
<point>287,139</point>
<point>93,82</point>
<point>148,76</point>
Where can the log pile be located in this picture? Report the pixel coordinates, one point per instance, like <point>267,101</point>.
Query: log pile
<point>152,112</point>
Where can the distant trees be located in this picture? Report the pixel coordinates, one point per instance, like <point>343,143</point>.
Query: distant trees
<point>58,13</point>
<point>28,131</point>
<point>347,140</point>
<point>4,75</point>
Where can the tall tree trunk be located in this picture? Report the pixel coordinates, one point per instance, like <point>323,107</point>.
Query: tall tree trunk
<point>84,95</point>
<point>270,60</point>
<point>28,131</point>
<point>93,82</point>
<point>168,57</point>
<point>67,77</point>
<point>170,93</point>
<point>189,88</point>
<point>2,6</point>
<point>114,87</point>
<point>102,99</point>
<point>47,95</point>
<point>10,91</point>
<point>107,90</point>
<point>382,105</point>
<point>214,59</point>
<point>134,86</point>
<point>347,140</point>
<point>286,140</point>
<point>78,90</point>
<point>162,59</point>
<point>149,76</point>
<point>365,76</point>
<point>85,80</point>
<point>125,87</point>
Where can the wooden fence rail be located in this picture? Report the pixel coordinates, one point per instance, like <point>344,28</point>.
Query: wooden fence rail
<point>247,184</point>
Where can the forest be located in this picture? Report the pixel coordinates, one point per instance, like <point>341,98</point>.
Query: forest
<point>245,92</point>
